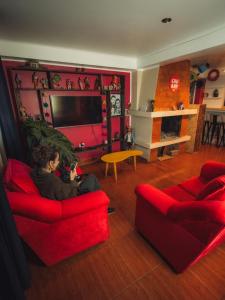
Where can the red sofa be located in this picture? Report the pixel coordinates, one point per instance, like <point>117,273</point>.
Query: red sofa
<point>54,230</point>
<point>186,221</point>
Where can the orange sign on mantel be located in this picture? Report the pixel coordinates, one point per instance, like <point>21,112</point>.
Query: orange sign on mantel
<point>174,83</point>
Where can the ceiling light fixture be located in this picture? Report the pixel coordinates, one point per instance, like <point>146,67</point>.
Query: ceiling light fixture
<point>166,20</point>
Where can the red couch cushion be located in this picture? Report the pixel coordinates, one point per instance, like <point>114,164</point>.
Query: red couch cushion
<point>193,185</point>
<point>211,187</point>
<point>178,193</point>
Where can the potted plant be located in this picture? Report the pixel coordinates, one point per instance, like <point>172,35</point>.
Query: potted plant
<point>39,132</point>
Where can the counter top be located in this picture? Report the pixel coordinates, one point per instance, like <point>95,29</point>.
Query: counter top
<point>222,109</point>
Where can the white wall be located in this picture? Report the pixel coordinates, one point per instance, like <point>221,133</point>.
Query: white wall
<point>144,84</point>
<point>215,102</point>
<point>65,55</point>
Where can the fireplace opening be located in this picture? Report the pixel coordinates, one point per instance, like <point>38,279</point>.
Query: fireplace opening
<point>170,127</point>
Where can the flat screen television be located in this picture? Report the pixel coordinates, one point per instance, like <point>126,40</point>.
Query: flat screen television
<point>75,110</point>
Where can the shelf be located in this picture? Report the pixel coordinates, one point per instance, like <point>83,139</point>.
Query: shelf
<point>58,90</point>
<point>213,98</point>
<point>86,149</point>
<point>166,113</point>
<point>170,142</point>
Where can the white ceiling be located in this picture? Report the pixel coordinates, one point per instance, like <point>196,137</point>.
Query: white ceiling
<point>129,28</point>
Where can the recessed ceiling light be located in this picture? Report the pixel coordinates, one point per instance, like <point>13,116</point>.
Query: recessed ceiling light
<point>166,20</point>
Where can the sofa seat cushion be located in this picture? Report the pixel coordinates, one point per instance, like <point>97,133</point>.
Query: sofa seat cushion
<point>211,187</point>
<point>178,193</point>
<point>193,185</point>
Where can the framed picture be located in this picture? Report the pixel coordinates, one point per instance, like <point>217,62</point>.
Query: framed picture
<point>115,101</point>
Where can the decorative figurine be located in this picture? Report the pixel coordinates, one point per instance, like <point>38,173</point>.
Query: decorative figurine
<point>216,93</point>
<point>82,145</point>
<point>23,113</point>
<point>129,138</point>
<point>35,80</point>
<point>114,82</point>
<point>152,105</point>
<point>44,83</point>
<point>55,80</point>
<point>97,84</point>
<point>69,84</point>
<point>180,105</point>
<point>18,81</point>
<point>86,83</point>
<point>80,83</point>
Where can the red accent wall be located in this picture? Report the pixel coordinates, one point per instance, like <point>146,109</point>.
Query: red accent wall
<point>90,134</point>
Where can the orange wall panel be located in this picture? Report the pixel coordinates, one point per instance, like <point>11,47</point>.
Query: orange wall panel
<point>156,131</point>
<point>165,98</point>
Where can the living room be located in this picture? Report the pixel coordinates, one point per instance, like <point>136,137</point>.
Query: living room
<point>166,73</point>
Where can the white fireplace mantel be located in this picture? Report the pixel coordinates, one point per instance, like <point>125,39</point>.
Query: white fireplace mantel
<point>142,122</point>
<point>163,113</point>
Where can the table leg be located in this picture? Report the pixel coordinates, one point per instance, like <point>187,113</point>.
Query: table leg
<point>115,171</point>
<point>106,168</point>
<point>135,162</point>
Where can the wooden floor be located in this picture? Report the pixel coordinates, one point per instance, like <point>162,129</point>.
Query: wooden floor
<point>126,267</point>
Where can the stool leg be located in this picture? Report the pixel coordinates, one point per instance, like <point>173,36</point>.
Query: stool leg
<point>135,165</point>
<point>218,129</point>
<point>204,132</point>
<point>115,171</point>
<point>209,127</point>
<point>106,169</point>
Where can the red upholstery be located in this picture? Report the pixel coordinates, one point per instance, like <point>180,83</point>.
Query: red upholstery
<point>54,229</point>
<point>182,229</point>
<point>212,186</point>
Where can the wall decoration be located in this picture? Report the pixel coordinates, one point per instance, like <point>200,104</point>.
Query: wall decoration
<point>213,75</point>
<point>35,80</point>
<point>69,84</point>
<point>216,93</point>
<point>56,80</point>
<point>174,83</point>
<point>18,81</point>
<point>115,101</point>
<point>86,83</point>
<point>44,83</point>
<point>80,84</point>
<point>115,85</point>
<point>97,85</point>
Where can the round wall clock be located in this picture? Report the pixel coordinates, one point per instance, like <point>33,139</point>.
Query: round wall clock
<point>213,75</point>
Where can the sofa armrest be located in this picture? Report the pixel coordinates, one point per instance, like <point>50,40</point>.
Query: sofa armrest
<point>198,211</point>
<point>158,199</point>
<point>84,203</point>
<point>35,207</point>
<point>211,170</point>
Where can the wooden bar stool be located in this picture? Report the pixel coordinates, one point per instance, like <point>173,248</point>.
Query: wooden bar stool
<point>206,129</point>
<point>221,139</point>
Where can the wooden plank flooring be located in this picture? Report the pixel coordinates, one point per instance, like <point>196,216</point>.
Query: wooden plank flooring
<point>126,267</point>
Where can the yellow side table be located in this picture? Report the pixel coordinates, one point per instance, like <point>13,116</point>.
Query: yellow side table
<point>115,157</point>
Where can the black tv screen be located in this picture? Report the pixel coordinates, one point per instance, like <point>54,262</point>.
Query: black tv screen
<point>76,110</point>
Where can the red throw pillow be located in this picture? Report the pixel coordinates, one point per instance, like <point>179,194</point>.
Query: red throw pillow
<point>23,184</point>
<point>211,187</point>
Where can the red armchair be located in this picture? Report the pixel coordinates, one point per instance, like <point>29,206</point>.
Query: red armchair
<point>54,230</point>
<point>186,221</point>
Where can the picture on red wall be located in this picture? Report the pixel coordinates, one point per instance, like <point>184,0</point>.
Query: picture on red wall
<point>115,101</point>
